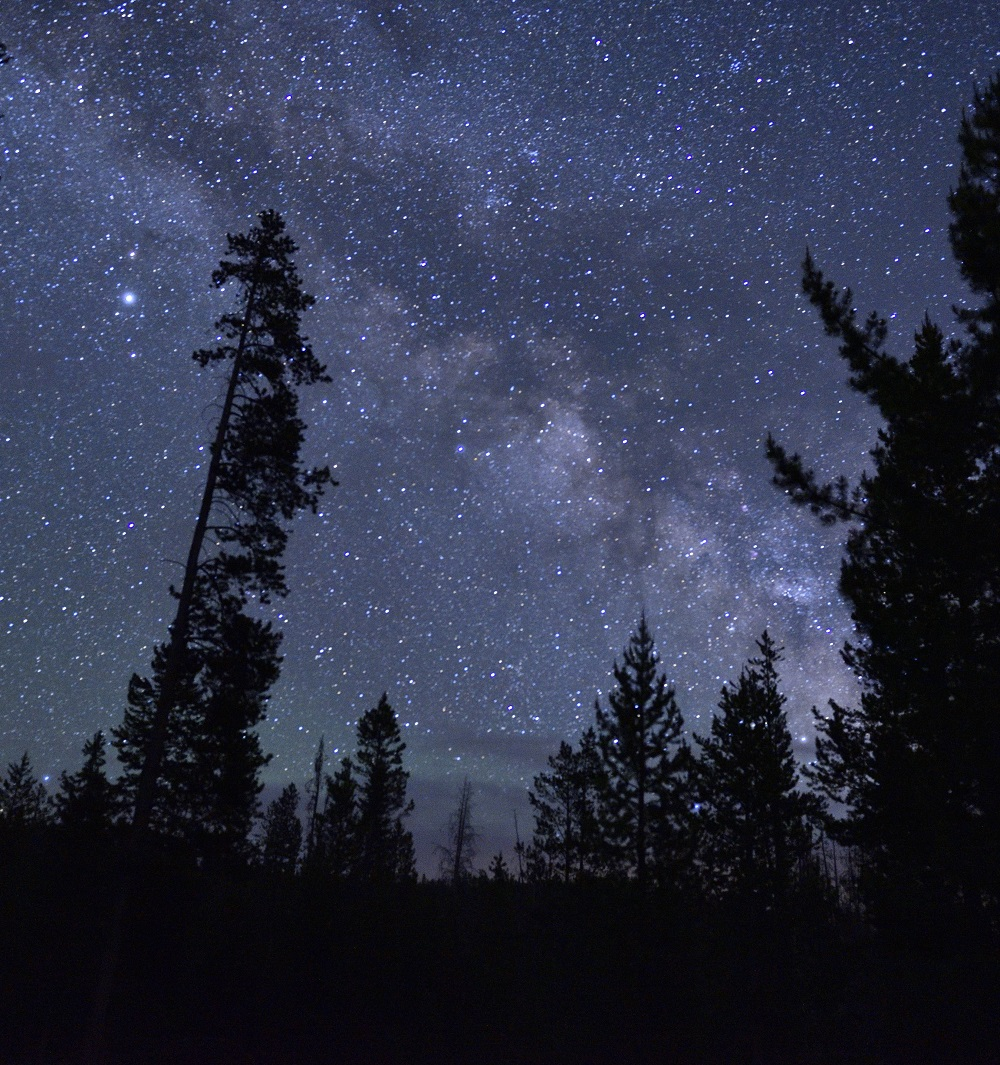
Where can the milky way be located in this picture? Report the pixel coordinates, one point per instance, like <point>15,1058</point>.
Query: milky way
<point>556,255</point>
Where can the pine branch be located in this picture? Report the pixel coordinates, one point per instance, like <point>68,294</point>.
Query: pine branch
<point>831,502</point>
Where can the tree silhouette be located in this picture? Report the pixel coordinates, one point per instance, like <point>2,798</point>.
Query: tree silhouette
<point>385,848</point>
<point>219,661</point>
<point>755,820</point>
<point>458,852</point>
<point>281,837</point>
<point>313,860</point>
<point>644,755</point>
<point>917,763</point>
<point>339,826</point>
<point>23,800</point>
<point>211,759</point>
<point>567,801</point>
<point>498,871</point>
<point>85,799</point>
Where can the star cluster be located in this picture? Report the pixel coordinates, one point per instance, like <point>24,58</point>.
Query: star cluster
<point>556,253</point>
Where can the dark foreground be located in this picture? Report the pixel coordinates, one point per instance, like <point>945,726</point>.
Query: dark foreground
<point>257,970</point>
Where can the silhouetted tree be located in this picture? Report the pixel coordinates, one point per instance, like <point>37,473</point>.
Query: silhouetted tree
<point>23,800</point>
<point>314,860</point>
<point>340,829</point>
<point>281,836</point>
<point>385,848</point>
<point>568,812</point>
<point>211,760</point>
<point>499,873</point>
<point>459,851</point>
<point>917,763</point>
<point>85,799</point>
<point>756,822</point>
<point>219,662</point>
<point>645,757</point>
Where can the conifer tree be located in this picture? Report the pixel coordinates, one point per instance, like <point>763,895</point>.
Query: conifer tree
<point>23,799</point>
<point>340,829</point>
<point>281,837</point>
<point>498,872</point>
<point>918,760</point>
<point>645,757</point>
<point>755,819</point>
<point>211,759</point>
<point>384,846</point>
<point>85,800</point>
<point>192,725</point>
<point>567,801</point>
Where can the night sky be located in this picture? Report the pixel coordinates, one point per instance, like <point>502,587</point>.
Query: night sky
<point>556,250</point>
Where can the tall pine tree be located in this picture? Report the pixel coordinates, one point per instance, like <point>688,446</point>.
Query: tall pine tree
<point>645,758</point>
<point>384,846</point>
<point>755,820</point>
<point>190,754</point>
<point>917,762</point>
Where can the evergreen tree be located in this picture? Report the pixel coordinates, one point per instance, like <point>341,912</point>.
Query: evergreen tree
<point>755,820</point>
<point>281,838</point>
<point>568,814</point>
<point>211,760</point>
<point>645,758</point>
<point>385,848</point>
<point>85,799</point>
<point>192,725</point>
<point>499,873</point>
<point>917,763</point>
<point>340,828</point>
<point>23,800</point>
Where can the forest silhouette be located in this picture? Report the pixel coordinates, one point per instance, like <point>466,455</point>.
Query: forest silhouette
<point>681,897</point>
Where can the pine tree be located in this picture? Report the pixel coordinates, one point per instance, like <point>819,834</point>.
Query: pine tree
<point>211,760</point>
<point>755,820</point>
<point>23,800</point>
<point>281,836</point>
<point>498,872</point>
<point>192,725</point>
<point>568,813</point>
<point>645,758</point>
<point>917,763</point>
<point>385,848</point>
<point>85,800</point>
<point>340,828</point>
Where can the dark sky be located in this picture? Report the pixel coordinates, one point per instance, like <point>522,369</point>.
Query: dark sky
<point>557,252</point>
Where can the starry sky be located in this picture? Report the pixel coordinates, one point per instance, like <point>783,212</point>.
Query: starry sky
<point>556,250</point>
